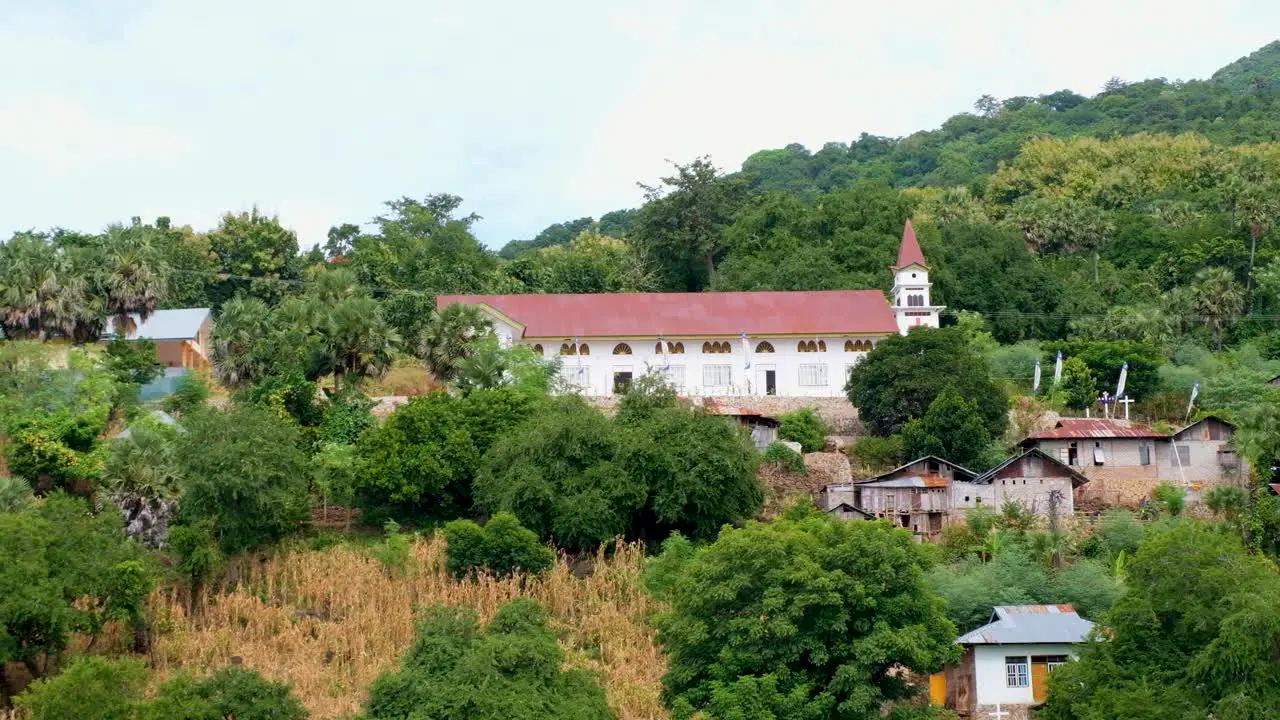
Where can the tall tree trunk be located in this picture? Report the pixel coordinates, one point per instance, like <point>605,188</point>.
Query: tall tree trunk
<point>708,261</point>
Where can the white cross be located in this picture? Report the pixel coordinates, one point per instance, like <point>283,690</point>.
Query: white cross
<point>1126,402</point>
<point>998,713</point>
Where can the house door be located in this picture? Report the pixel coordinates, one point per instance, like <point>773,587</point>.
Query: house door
<point>1073,455</point>
<point>1039,681</point>
<point>621,382</point>
<point>767,379</point>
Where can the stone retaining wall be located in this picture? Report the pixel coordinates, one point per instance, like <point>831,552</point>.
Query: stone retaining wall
<point>841,417</point>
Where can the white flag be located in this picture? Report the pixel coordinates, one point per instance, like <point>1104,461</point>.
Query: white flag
<point>1035,385</point>
<point>1195,390</point>
<point>1057,369</point>
<point>746,350</point>
<point>1124,375</point>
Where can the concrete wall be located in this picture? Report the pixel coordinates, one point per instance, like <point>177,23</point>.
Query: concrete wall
<point>841,417</point>
<point>991,686</point>
<point>1031,493</point>
<point>594,372</point>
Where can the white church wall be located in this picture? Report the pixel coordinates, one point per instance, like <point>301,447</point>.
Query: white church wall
<point>797,374</point>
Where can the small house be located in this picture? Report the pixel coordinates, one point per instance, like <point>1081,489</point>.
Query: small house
<point>1007,662</point>
<point>181,336</point>
<point>845,511</point>
<point>915,496</point>
<point>1033,479</point>
<point>763,429</point>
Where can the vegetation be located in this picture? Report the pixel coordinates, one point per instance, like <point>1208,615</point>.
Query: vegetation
<point>802,633</point>
<point>511,669</point>
<point>501,548</point>
<point>805,427</point>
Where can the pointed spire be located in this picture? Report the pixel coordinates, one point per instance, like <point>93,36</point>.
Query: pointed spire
<point>909,253</point>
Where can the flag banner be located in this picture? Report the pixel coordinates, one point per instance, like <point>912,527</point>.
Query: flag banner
<point>1124,375</point>
<point>746,350</point>
<point>1195,390</point>
<point>1035,384</point>
<point>1057,369</point>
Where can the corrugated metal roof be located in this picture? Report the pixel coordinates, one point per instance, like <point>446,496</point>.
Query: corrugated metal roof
<point>935,458</point>
<point>928,481</point>
<point>1017,624</point>
<point>181,324</point>
<point>1077,479</point>
<point>1078,428</point>
<point>718,314</point>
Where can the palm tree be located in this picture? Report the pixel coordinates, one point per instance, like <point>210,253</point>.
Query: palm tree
<point>135,281</point>
<point>1218,299</point>
<point>235,343</point>
<point>358,338</point>
<point>448,337</point>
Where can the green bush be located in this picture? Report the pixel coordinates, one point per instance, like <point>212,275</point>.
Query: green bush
<point>783,456</point>
<point>230,693</point>
<point>805,427</point>
<point>510,670</point>
<point>191,394</point>
<point>1171,499</point>
<point>244,469</point>
<point>91,688</point>
<point>878,454</point>
<point>502,547</point>
<point>393,552</point>
<point>15,494</point>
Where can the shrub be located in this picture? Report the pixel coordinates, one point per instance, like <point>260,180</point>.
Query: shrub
<point>230,693</point>
<point>783,456</point>
<point>510,670</point>
<point>243,469</point>
<point>393,551</point>
<point>805,427</point>
<point>191,394</point>
<point>91,688</point>
<point>1171,499</point>
<point>15,494</point>
<point>878,454</point>
<point>502,547</point>
<point>196,553</point>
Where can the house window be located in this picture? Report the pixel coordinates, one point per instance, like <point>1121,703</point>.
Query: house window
<point>857,345</point>
<point>675,376</point>
<point>537,349</point>
<point>675,348</point>
<point>716,348</point>
<point>717,376</point>
<point>1098,457</point>
<point>813,375</point>
<point>622,349</point>
<point>764,347</point>
<point>1181,455</point>
<point>1144,454</point>
<point>890,503</point>
<point>657,348</point>
<point>1017,672</point>
<point>1228,459</point>
<point>567,349</point>
<point>808,346</point>
<point>584,349</point>
<point>578,377</point>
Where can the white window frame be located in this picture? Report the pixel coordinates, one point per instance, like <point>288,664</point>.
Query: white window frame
<point>675,376</point>
<point>812,375</point>
<point>573,379</point>
<point>712,374</point>
<point>1181,455</point>
<point>1017,671</point>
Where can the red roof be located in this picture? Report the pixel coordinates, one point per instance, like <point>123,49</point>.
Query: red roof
<point>909,253</point>
<point>715,314</point>
<point>1076,428</point>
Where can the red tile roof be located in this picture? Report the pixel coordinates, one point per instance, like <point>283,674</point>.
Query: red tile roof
<point>909,252</point>
<point>1073,428</point>
<point>828,312</point>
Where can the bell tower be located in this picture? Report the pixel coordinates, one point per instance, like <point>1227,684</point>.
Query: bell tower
<point>909,298</point>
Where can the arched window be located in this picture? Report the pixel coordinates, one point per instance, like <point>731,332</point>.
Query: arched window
<point>850,346</point>
<point>810,346</point>
<point>584,349</point>
<point>706,348</point>
<point>567,349</point>
<point>803,346</point>
<point>822,346</point>
<point>538,348</point>
<point>764,347</point>
<point>716,348</point>
<point>621,349</point>
<point>676,349</point>
<point>657,348</point>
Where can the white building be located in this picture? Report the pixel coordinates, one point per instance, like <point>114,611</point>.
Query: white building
<point>791,344</point>
<point>1007,662</point>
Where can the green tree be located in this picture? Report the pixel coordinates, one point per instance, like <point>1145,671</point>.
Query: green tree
<point>777,620</point>
<point>423,459</point>
<point>805,427</point>
<point>1078,385</point>
<point>951,429</point>
<point>682,223</point>
<point>509,670</point>
<point>132,362</point>
<point>903,375</point>
<point>244,470</point>
<point>91,688</point>
<point>450,336</point>
<point>502,547</point>
<point>256,252</point>
<point>232,692</point>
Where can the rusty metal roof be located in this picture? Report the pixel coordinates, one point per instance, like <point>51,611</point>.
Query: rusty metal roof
<point>1079,428</point>
<point>1030,624</point>
<point>919,481</point>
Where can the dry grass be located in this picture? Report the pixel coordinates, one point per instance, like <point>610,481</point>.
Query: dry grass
<point>329,622</point>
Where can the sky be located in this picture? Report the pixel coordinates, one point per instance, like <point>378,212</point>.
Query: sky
<point>320,111</point>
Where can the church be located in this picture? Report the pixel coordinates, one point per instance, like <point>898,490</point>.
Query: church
<point>790,344</point>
